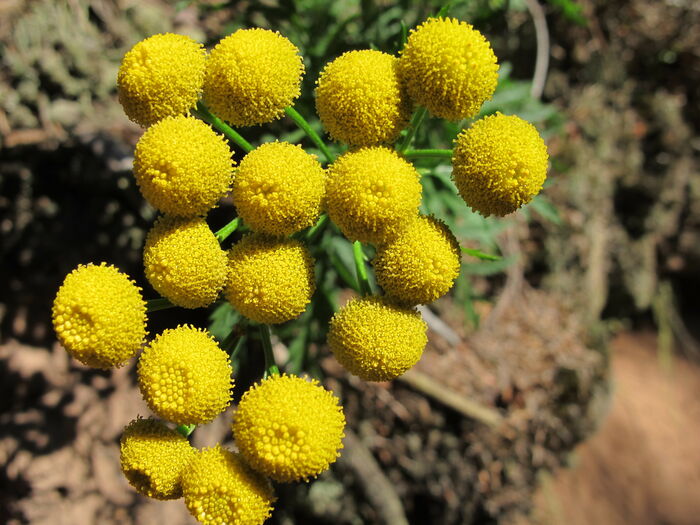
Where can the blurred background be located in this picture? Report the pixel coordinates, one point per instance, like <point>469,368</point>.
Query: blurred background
<point>561,382</point>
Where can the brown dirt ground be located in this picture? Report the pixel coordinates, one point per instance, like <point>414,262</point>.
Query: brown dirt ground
<point>643,465</point>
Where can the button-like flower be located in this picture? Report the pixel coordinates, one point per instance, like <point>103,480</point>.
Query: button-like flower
<point>376,339</point>
<point>153,457</point>
<point>372,194</point>
<point>421,265</point>
<point>182,166</point>
<point>289,428</point>
<point>270,280</point>
<point>360,100</point>
<point>251,76</point>
<point>100,316</point>
<point>278,189</point>
<point>499,164</point>
<point>448,67</point>
<point>160,77</point>
<point>219,487</point>
<point>184,262</point>
<point>184,376</point>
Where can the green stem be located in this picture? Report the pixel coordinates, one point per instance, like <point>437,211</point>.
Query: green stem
<point>185,430</point>
<point>304,125</point>
<point>239,346</point>
<point>444,10</point>
<point>231,134</point>
<point>428,154</point>
<point>228,229</point>
<point>231,339</point>
<point>343,272</point>
<point>161,303</point>
<point>317,228</point>
<point>361,269</point>
<point>416,121</point>
<point>270,366</point>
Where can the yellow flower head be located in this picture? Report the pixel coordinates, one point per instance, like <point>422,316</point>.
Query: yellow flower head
<point>376,339</point>
<point>421,264</point>
<point>184,262</point>
<point>449,67</point>
<point>499,164</point>
<point>251,76</point>
<point>182,167</point>
<point>360,100</point>
<point>278,189</point>
<point>184,376</point>
<point>153,457</point>
<point>270,280</point>
<point>219,487</point>
<point>160,77</point>
<point>289,428</point>
<point>372,194</point>
<point>99,316</point>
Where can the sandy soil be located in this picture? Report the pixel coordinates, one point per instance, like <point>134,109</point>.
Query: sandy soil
<point>643,465</point>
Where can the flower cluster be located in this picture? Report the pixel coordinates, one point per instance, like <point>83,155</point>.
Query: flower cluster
<point>286,428</point>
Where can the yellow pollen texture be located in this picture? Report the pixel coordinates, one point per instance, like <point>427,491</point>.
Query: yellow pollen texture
<point>270,280</point>
<point>376,339</point>
<point>221,489</point>
<point>448,67</point>
<point>160,77</point>
<point>184,376</point>
<point>99,316</point>
<point>182,166</point>
<point>499,164</point>
<point>153,458</point>
<point>289,428</point>
<point>421,265</point>
<point>278,189</point>
<point>372,194</point>
<point>251,76</point>
<point>360,99</point>
<point>184,262</point>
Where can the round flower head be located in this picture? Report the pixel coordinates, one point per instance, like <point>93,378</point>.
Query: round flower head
<point>499,164</point>
<point>153,457</point>
<point>251,76</point>
<point>278,189</point>
<point>360,100</point>
<point>289,428</point>
<point>182,167</point>
<point>448,67</point>
<point>376,339</point>
<point>220,488</point>
<point>184,262</point>
<point>372,194</point>
<point>184,376</point>
<point>99,316</point>
<point>160,77</point>
<point>270,280</point>
<point>421,264</point>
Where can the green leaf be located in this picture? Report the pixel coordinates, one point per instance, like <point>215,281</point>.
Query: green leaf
<point>222,319</point>
<point>444,10</point>
<point>544,207</point>
<point>489,267</point>
<point>481,255</point>
<point>571,10</point>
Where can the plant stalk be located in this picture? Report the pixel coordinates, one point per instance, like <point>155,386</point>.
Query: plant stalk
<point>270,366</point>
<point>231,134</point>
<point>304,125</point>
<point>361,269</point>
